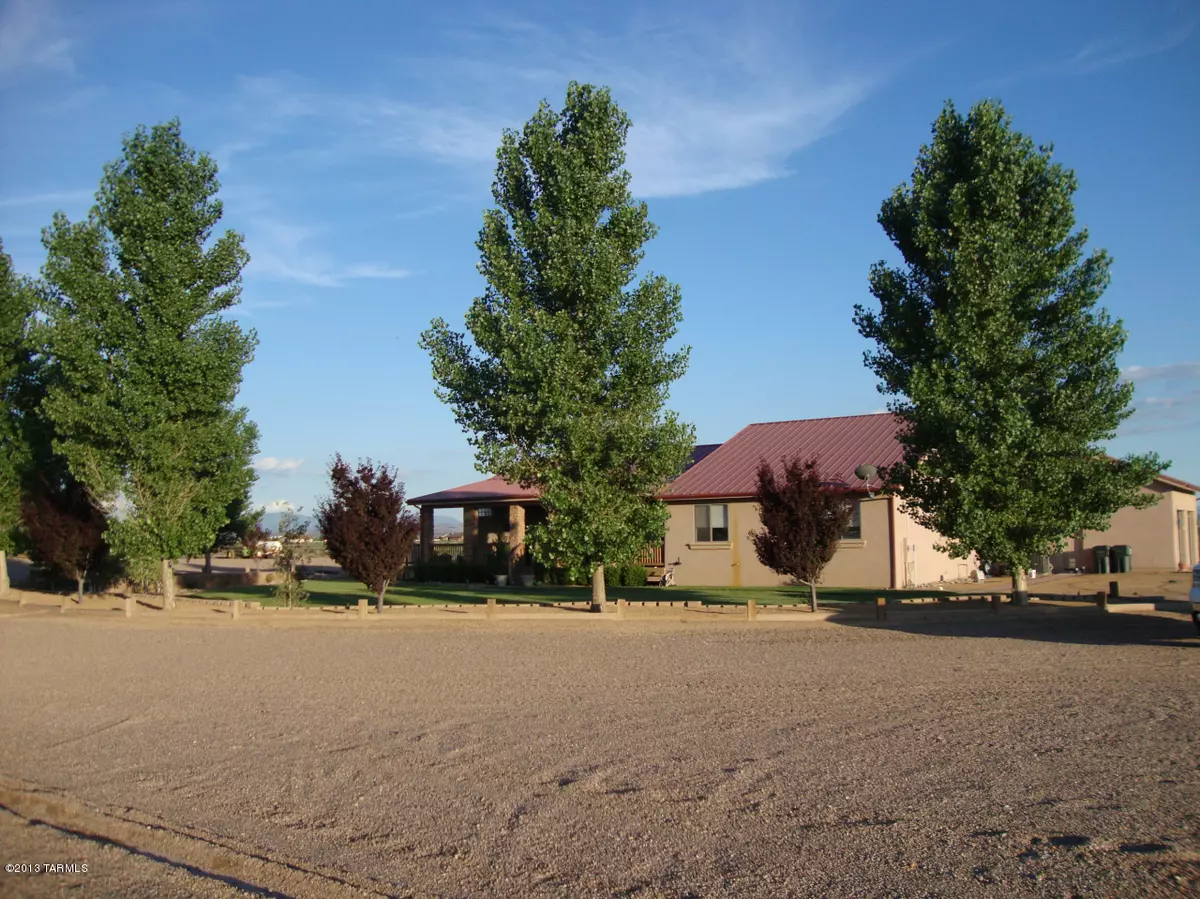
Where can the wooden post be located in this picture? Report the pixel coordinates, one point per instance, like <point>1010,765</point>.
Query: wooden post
<point>1102,600</point>
<point>622,605</point>
<point>128,606</point>
<point>362,608</point>
<point>1114,590</point>
<point>880,608</point>
<point>996,603</point>
<point>491,607</point>
<point>751,610</point>
<point>63,608</point>
<point>235,609</point>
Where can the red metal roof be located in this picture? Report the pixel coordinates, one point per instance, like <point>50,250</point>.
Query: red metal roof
<point>841,444</point>
<point>496,489</point>
<point>1178,484</point>
<point>493,488</point>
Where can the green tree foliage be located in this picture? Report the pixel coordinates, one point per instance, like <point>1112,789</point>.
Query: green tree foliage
<point>17,304</point>
<point>803,519</point>
<point>566,383</point>
<point>366,527</point>
<point>294,552</point>
<point>990,338</point>
<point>241,519</point>
<point>147,368</point>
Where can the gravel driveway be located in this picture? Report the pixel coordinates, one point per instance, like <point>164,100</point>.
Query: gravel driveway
<point>576,758</point>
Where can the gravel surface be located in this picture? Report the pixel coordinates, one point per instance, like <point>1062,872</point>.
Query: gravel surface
<point>580,758</point>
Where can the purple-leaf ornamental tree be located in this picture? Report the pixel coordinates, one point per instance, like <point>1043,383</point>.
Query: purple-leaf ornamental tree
<point>367,528</point>
<point>803,519</point>
<point>65,529</point>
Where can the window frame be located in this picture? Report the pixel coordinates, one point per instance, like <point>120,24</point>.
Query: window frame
<point>707,527</point>
<point>853,530</point>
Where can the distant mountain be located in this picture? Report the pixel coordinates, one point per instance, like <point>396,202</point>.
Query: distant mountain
<point>270,522</point>
<point>448,526</point>
<point>441,527</point>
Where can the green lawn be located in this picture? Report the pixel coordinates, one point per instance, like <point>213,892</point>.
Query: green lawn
<point>340,592</point>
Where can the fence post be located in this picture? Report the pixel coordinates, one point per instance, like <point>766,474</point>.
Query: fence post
<point>235,609</point>
<point>491,607</point>
<point>362,608</point>
<point>751,610</point>
<point>1114,590</point>
<point>128,606</point>
<point>63,608</point>
<point>996,603</point>
<point>880,608</point>
<point>1102,600</point>
<point>622,605</point>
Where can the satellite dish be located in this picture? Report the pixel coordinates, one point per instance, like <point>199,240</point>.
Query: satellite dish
<point>866,472</point>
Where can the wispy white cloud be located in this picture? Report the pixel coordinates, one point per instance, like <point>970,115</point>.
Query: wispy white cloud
<point>278,466</point>
<point>284,252</point>
<point>32,37</point>
<point>715,105</point>
<point>1102,53</point>
<point>278,505</point>
<point>44,199</point>
<point>1175,371</point>
<point>1175,403</point>
<point>374,270</point>
<point>1108,52</point>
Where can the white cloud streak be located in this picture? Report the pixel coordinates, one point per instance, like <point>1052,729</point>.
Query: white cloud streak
<point>43,199</point>
<point>278,466</point>
<point>32,38</point>
<point>714,106</point>
<point>1175,371</point>
<point>278,505</point>
<point>283,251</point>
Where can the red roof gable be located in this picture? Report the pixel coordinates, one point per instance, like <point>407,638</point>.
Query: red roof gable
<point>493,488</point>
<point>496,489</point>
<point>841,444</point>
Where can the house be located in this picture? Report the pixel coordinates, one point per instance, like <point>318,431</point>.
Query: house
<point>713,509</point>
<point>712,512</point>
<point>1160,536</point>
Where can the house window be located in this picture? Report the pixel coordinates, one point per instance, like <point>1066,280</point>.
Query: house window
<point>854,528</point>
<point>712,524</point>
<point>485,511</point>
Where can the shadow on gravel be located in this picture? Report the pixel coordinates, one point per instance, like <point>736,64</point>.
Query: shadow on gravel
<point>1070,626</point>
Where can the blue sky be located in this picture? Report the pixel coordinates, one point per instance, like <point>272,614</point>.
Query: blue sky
<point>356,143</point>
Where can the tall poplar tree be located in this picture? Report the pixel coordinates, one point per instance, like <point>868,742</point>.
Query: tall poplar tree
<point>17,304</point>
<point>565,386</point>
<point>992,341</point>
<point>146,367</point>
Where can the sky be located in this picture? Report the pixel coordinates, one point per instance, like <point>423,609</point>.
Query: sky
<point>356,145</point>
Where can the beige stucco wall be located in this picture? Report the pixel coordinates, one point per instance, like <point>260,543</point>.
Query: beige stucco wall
<point>914,543</point>
<point>1152,532</point>
<point>857,563</point>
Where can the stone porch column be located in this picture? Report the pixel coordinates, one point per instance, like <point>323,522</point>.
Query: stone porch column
<point>470,534</point>
<point>516,535</point>
<point>426,533</point>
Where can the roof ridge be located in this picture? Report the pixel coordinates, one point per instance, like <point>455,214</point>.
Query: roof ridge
<point>792,421</point>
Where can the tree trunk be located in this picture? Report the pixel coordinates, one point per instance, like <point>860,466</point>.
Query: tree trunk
<point>208,562</point>
<point>812,595</point>
<point>1020,589</point>
<point>379,597</point>
<point>79,588</point>
<point>3,573</point>
<point>598,595</point>
<point>168,585</point>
